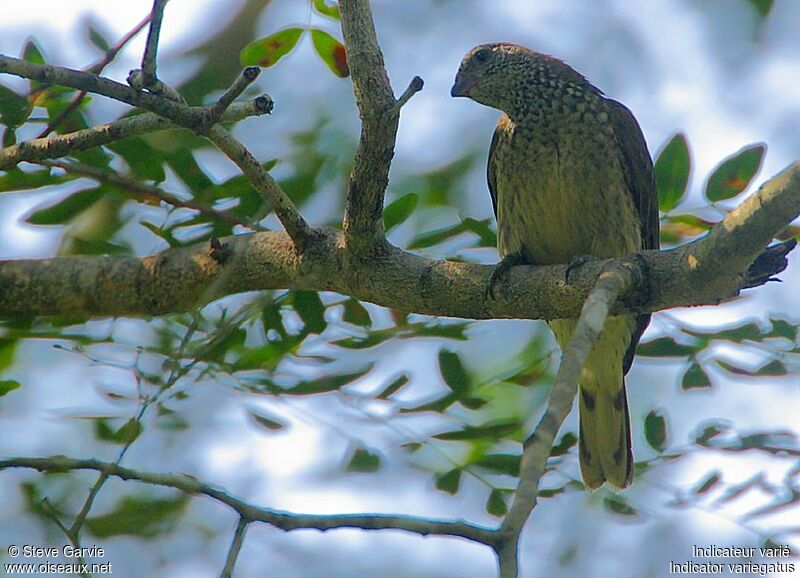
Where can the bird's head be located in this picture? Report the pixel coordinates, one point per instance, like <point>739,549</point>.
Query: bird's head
<point>508,76</point>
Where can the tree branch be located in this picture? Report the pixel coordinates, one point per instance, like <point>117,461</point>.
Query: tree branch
<point>145,192</point>
<point>615,281</point>
<point>95,68</point>
<point>190,117</point>
<point>198,119</point>
<point>149,59</point>
<point>284,520</point>
<point>236,547</point>
<point>58,146</point>
<point>179,279</point>
<point>363,217</point>
<point>262,181</point>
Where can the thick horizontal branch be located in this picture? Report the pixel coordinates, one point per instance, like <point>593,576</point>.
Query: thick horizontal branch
<point>280,519</point>
<point>181,279</point>
<point>70,143</point>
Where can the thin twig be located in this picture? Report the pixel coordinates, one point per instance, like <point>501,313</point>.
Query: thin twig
<point>193,118</point>
<point>133,431</point>
<point>259,177</point>
<point>280,519</point>
<point>58,146</point>
<point>189,117</point>
<point>143,191</point>
<point>612,283</point>
<point>150,57</point>
<point>236,546</point>
<point>414,87</point>
<point>242,81</point>
<point>95,68</point>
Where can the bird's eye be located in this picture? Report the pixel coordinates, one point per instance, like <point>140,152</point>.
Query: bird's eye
<point>482,55</point>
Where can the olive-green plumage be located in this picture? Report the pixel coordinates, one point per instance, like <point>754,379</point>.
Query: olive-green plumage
<point>570,175</point>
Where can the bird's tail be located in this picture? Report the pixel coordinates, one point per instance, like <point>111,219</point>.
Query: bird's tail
<point>605,438</point>
<point>605,431</point>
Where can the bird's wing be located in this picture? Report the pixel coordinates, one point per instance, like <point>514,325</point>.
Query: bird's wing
<point>638,169</point>
<point>491,171</point>
<point>641,182</point>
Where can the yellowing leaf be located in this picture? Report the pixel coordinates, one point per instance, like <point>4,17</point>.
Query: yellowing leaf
<point>267,51</point>
<point>330,10</point>
<point>734,174</point>
<point>331,51</point>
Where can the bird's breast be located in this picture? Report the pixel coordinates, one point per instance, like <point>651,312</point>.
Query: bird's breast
<point>561,189</point>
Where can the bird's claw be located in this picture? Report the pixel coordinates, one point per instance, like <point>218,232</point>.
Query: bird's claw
<point>576,263</point>
<point>501,273</point>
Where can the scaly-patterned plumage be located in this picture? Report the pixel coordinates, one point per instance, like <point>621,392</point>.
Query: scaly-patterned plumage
<point>570,175</point>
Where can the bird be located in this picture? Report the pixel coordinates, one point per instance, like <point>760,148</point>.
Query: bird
<point>570,178</point>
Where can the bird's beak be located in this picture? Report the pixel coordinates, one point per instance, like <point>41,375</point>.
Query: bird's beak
<point>463,85</point>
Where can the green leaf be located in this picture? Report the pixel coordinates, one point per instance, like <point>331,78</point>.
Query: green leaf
<point>127,432</point>
<point>18,180</point>
<point>393,387</point>
<point>267,51</point>
<point>8,348</point>
<point>97,38</point>
<point>672,170</point>
<point>745,332</point>
<point>762,6</point>
<point>310,309</point>
<point>733,175</point>
<point>774,368</point>
<point>330,10</point>
<point>14,107</point>
<point>269,423</point>
<point>449,482</point>
<point>453,372</point>
<point>138,517</point>
<point>493,431</point>
<point>655,430</point>
<point>8,385</point>
<point>67,209</point>
<point>507,464</point>
<point>710,431</point>
<point>32,52</point>
<point>695,377</point>
<point>356,313</point>
<point>364,461</point>
<point>326,384</point>
<point>664,347</point>
<point>399,211</point>
<point>616,504</point>
<point>782,328</point>
<point>432,238</point>
<point>143,159</point>
<point>567,441</point>
<point>331,51</point>
<point>496,504</point>
<point>707,484</point>
<point>487,237</point>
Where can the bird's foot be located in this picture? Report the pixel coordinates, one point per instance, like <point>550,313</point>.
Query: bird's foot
<point>576,263</point>
<point>501,272</point>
